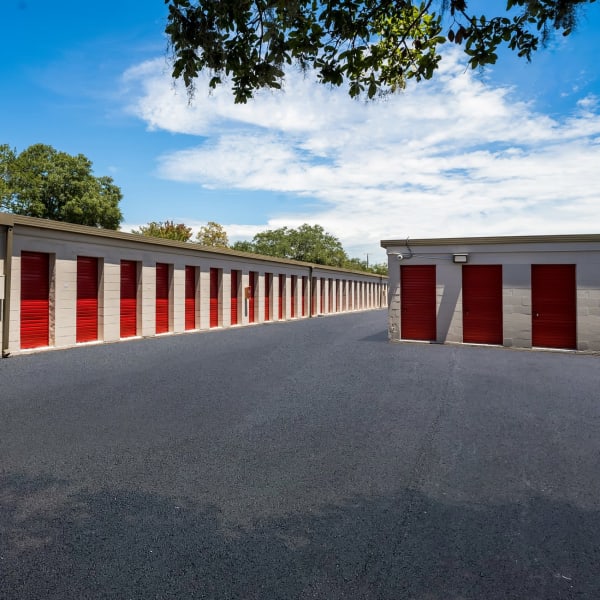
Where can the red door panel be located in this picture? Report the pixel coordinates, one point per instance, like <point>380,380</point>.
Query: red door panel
<point>293,296</point>
<point>214,298</point>
<point>482,304</point>
<point>281,294</point>
<point>35,299</point>
<point>268,281</point>
<point>128,298</point>
<point>252,285</point>
<point>554,306</point>
<point>418,302</point>
<point>190,298</point>
<point>304,286</point>
<point>87,299</point>
<point>162,297</point>
<point>234,297</point>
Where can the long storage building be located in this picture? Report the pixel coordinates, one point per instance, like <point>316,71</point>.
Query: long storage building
<point>519,291</point>
<point>63,284</point>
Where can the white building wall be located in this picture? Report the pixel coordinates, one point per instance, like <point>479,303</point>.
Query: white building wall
<point>516,260</point>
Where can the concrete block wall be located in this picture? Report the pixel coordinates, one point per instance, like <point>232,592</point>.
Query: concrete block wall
<point>516,258</point>
<point>64,247</point>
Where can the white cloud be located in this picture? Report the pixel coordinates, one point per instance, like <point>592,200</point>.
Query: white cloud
<point>453,156</point>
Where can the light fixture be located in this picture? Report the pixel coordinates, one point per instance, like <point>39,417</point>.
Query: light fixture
<point>460,258</point>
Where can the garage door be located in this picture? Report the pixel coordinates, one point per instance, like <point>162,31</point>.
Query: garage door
<point>482,304</point>
<point>417,302</point>
<point>234,296</point>
<point>35,299</point>
<point>268,283</point>
<point>214,298</point>
<point>190,298</point>
<point>87,299</point>
<point>304,288</point>
<point>128,298</point>
<point>281,295</point>
<point>251,301</point>
<point>162,297</point>
<point>553,305</point>
<point>293,296</point>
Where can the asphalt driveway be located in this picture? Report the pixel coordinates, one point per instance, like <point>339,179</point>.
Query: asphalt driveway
<point>304,460</point>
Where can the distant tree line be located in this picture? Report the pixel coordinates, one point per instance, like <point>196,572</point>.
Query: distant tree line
<point>307,243</point>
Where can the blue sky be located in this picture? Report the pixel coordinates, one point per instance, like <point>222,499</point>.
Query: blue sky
<point>511,150</point>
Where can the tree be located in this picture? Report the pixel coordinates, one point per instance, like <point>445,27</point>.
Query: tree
<point>308,243</point>
<point>167,230</point>
<point>212,234</point>
<point>243,246</point>
<point>374,46</point>
<point>43,182</point>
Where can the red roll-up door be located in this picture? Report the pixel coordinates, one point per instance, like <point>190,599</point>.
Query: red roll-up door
<point>304,285</point>
<point>214,298</point>
<point>268,282</point>
<point>190,298</point>
<point>162,297</point>
<point>330,296</point>
<point>234,297</point>
<point>281,295</point>
<point>482,304</point>
<point>293,296</point>
<point>322,297</point>
<point>87,299</point>
<point>128,298</point>
<point>313,294</point>
<point>417,302</point>
<point>35,299</point>
<point>554,306</point>
<point>252,285</point>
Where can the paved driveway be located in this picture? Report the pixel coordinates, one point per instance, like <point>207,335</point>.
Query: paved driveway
<point>299,460</point>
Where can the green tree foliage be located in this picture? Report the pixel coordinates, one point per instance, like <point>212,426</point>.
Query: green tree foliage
<point>309,243</point>
<point>374,46</point>
<point>243,246</point>
<point>167,230</point>
<point>43,182</point>
<point>213,234</point>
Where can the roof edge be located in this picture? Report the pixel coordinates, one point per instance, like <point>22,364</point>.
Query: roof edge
<point>10,219</point>
<point>511,239</point>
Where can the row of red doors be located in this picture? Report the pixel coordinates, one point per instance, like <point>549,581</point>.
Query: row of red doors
<point>553,297</point>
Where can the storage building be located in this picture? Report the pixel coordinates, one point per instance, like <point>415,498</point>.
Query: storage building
<point>63,284</point>
<point>520,291</point>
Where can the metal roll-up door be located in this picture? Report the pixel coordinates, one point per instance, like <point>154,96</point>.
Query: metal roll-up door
<point>234,297</point>
<point>214,298</point>
<point>330,296</point>
<point>268,281</point>
<point>554,306</point>
<point>35,299</point>
<point>482,304</point>
<point>304,286</point>
<point>128,298</point>
<point>190,298</point>
<point>162,297</point>
<point>418,302</point>
<point>322,297</point>
<point>293,296</point>
<point>252,285</point>
<point>281,295</point>
<point>87,299</point>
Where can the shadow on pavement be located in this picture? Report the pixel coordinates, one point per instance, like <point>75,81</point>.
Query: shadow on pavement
<point>382,336</point>
<point>57,543</point>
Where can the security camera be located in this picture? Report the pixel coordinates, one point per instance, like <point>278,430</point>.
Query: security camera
<point>398,255</point>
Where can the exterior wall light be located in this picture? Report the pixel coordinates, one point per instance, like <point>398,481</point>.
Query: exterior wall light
<point>460,258</point>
